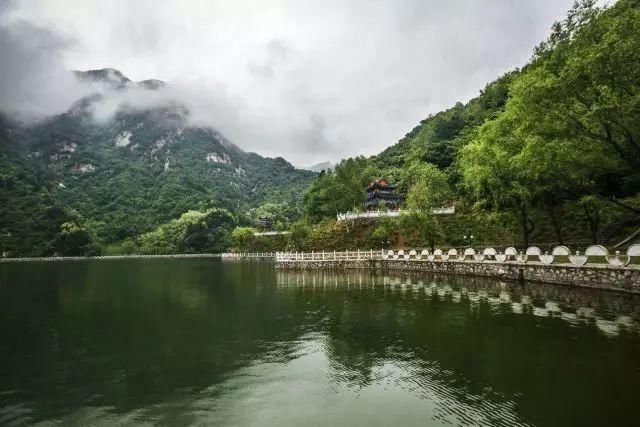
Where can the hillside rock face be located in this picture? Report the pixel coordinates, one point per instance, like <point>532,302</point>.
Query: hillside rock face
<point>142,167</point>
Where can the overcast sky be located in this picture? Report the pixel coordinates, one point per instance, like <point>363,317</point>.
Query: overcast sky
<point>307,80</point>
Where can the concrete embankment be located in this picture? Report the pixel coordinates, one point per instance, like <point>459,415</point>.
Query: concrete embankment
<point>263,256</point>
<point>626,279</point>
<point>105,257</point>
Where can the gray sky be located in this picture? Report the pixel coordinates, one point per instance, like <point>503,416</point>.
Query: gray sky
<point>307,80</point>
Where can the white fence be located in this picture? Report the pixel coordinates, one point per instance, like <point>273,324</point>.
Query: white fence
<point>368,214</point>
<point>271,233</point>
<point>445,210</point>
<point>594,254</point>
<point>234,256</point>
<point>329,256</point>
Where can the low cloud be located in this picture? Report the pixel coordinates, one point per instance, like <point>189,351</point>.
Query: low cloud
<point>309,81</point>
<point>34,82</point>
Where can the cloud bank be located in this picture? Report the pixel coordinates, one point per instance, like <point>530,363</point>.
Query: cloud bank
<point>33,79</point>
<point>310,81</point>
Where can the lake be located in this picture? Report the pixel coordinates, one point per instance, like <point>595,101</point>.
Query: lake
<point>202,342</point>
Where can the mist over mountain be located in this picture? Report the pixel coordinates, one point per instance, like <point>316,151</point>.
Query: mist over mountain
<point>310,81</point>
<point>126,157</point>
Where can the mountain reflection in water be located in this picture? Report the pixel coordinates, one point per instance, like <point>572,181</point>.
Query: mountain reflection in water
<point>202,342</point>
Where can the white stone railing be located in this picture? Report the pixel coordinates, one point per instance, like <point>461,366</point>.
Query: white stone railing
<point>329,256</point>
<point>368,214</point>
<point>235,256</point>
<point>271,233</point>
<point>445,210</point>
<point>594,254</point>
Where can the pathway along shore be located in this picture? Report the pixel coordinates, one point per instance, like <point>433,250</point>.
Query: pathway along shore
<point>596,271</point>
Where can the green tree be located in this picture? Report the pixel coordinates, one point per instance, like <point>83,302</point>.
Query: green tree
<point>584,87</point>
<point>493,176</point>
<point>278,213</point>
<point>428,187</point>
<point>194,231</point>
<point>424,224</point>
<point>242,238</point>
<point>382,234</point>
<point>339,190</point>
<point>592,206</point>
<point>300,232</point>
<point>75,240</point>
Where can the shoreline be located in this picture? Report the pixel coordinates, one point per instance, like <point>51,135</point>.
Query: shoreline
<point>104,258</point>
<point>595,276</point>
<point>602,277</point>
<point>227,256</point>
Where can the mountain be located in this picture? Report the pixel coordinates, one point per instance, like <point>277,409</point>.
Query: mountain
<point>547,153</point>
<point>109,76</point>
<point>438,138</point>
<point>127,175</point>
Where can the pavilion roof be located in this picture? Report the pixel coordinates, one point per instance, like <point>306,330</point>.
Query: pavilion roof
<point>381,183</point>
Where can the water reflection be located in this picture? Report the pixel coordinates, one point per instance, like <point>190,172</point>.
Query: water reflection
<point>537,354</point>
<point>611,312</point>
<point>200,342</point>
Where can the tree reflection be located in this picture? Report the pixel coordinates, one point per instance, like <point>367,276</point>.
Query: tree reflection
<point>159,340</point>
<point>130,334</point>
<point>469,340</point>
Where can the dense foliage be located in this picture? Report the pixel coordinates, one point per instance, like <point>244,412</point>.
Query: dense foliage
<point>193,232</point>
<point>122,178</point>
<point>546,154</point>
<point>549,153</point>
<point>570,127</point>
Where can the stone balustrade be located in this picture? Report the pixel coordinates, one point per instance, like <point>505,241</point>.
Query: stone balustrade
<point>595,268</point>
<point>238,256</point>
<point>595,254</point>
<point>445,210</point>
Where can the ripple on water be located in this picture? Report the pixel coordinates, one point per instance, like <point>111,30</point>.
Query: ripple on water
<point>199,343</point>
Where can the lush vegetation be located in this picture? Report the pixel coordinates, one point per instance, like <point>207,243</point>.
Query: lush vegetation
<point>547,154</point>
<point>569,131</point>
<point>120,180</point>
<point>193,232</point>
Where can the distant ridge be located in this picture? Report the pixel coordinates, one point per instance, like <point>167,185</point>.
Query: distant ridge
<point>126,175</point>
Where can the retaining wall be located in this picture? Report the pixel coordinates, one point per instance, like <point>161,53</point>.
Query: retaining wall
<point>104,257</point>
<point>625,279</point>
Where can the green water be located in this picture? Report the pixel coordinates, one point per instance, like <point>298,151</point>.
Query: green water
<point>181,342</point>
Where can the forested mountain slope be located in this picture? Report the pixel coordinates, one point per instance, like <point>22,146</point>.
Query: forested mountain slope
<point>127,175</point>
<point>549,153</point>
<point>438,138</point>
